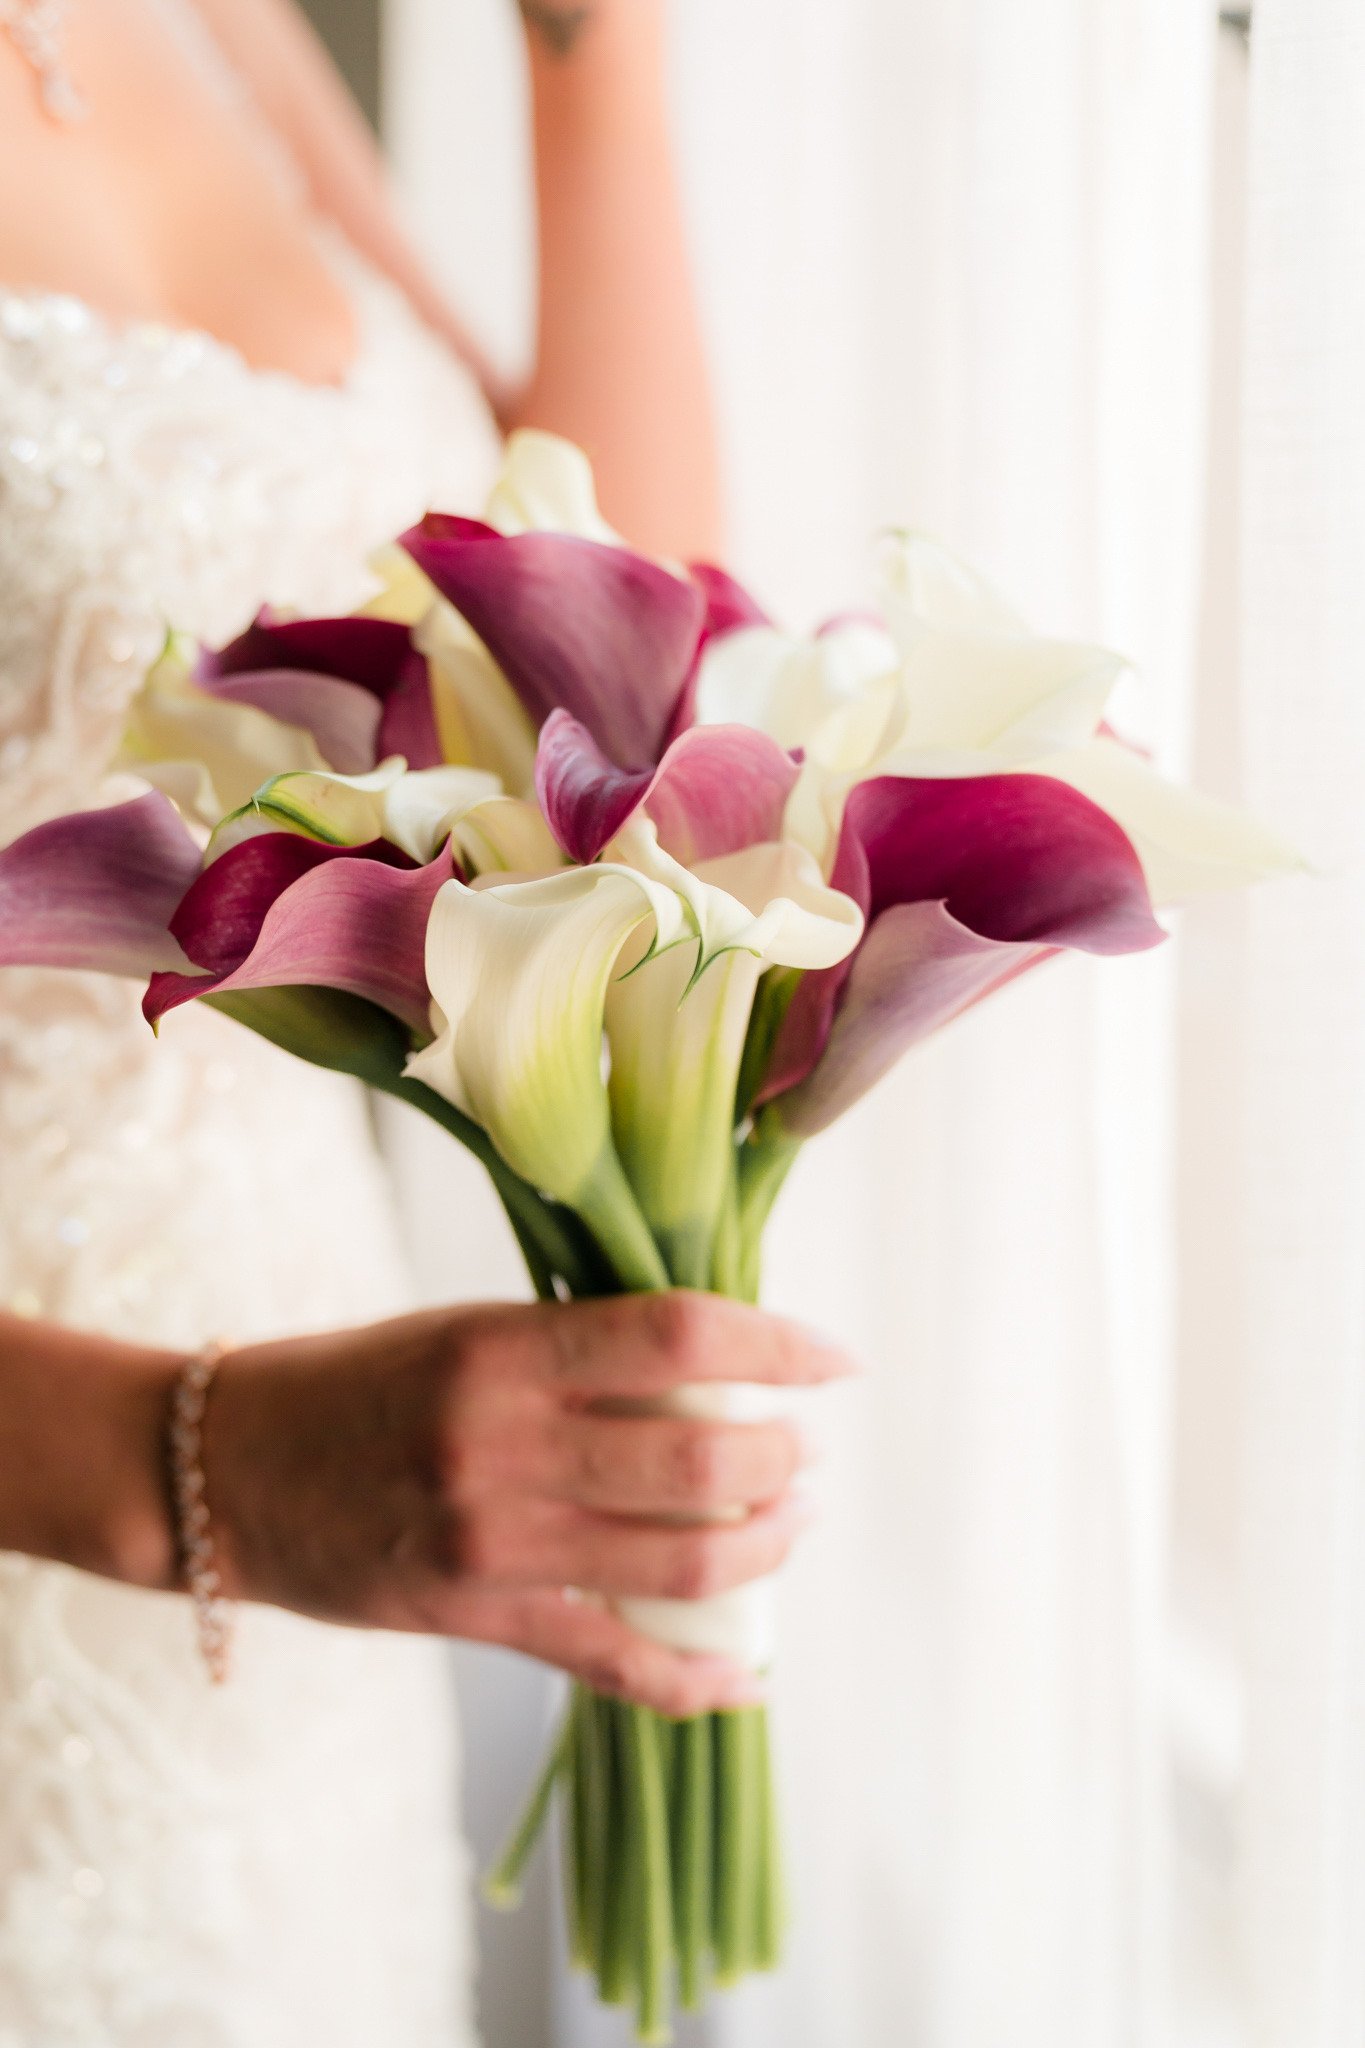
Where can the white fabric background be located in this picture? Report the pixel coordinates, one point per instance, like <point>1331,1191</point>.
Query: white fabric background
<point>1073,1685</point>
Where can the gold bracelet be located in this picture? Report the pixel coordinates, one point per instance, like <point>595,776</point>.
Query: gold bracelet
<point>212,1613</point>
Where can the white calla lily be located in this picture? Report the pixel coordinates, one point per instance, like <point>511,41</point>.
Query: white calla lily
<point>479,716</point>
<point>1188,843</point>
<point>546,486</point>
<point>404,595</point>
<point>416,810</point>
<point>506,836</point>
<point>204,752</point>
<point>677,1023</point>
<point>958,686</point>
<point>519,973</point>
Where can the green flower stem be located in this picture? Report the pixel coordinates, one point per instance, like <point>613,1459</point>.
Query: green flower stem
<point>502,1887</point>
<point>772,1913</point>
<point>611,1212</point>
<point>692,1819</point>
<point>617,1969</point>
<point>765,1159</point>
<point>738,1845</point>
<point>649,1844</point>
<point>594,1757</point>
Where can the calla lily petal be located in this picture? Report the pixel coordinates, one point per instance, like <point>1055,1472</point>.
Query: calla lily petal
<point>207,753</point>
<point>546,486</point>
<point>519,975</point>
<point>718,788</point>
<point>1187,843</point>
<point>790,688</point>
<point>480,717</point>
<point>413,811</point>
<point>97,889</point>
<point>341,717</point>
<point>917,969</point>
<point>677,1031</point>
<point>405,595</point>
<point>603,632</point>
<point>1015,857</point>
<point>1020,863</point>
<point>505,836</point>
<point>926,588</point>
<point>283,912</point>
<point>377,655</point>
<point>1014,698</point>
<point>729,605</point>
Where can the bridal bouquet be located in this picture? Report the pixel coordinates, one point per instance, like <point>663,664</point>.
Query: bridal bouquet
<point>633,893</point>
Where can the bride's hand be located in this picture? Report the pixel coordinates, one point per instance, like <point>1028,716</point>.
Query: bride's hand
<point>455,1472</point>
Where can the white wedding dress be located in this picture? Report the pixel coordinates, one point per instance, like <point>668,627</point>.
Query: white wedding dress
<point>276,1863</point>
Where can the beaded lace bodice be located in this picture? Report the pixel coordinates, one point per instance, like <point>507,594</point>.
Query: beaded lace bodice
<point>274,1865</point>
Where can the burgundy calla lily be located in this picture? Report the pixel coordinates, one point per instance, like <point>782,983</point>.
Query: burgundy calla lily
<point>729,606</point>
<point>718,788</point>
<point>604,634</point>
<point>965,883</point>
<point>97,889</point>
<point>282,911</point>
<point>357,684</point>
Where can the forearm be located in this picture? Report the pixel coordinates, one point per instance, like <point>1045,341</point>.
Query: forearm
<point>82,1451</point>
<point>619,364</point>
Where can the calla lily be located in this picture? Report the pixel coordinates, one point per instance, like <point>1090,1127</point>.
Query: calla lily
<point>956,685</point>
<point>677,1024</point>
<point>481,720</point>
<point>97,890</point>
<point>206,752</point>
<point>1188,843</point>
<point>965,883</point>
<point>414,811</point>
<point>518,975</point>
<point>282,911</point>
<point>546,486</point>
<point>717,788</point>
<point>359,681</point>
<point>605,634</point>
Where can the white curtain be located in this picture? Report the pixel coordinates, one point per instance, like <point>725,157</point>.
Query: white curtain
<point>1072,1684</point>
<point>1301,1879</point>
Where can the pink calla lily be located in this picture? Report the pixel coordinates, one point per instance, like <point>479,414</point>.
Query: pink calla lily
<point>97,889</point>
<point>357,684</point>
<point>282,911</point>
<point>729,606</point>
<point>718,788</point>
<point>609,636</point>
<point>965,882</point>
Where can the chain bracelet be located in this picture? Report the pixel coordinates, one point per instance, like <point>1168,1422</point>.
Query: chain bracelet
<point>194,1536</point>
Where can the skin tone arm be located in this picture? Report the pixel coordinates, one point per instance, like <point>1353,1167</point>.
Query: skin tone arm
<point>619,365</point>
<point>450,1472</point>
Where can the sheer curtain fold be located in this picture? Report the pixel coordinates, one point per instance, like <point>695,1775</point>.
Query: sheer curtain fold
<point>1302,1816</point>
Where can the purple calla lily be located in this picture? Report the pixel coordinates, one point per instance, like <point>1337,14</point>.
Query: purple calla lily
<point>358,685</point>
<point>97,889</point>
<point>606,635</point>
<point>281,911</point>
<point>718,788</point>
<point>729,606</point>
<point>965,882</point>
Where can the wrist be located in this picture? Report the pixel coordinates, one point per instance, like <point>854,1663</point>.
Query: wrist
<point>128,1530</point>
